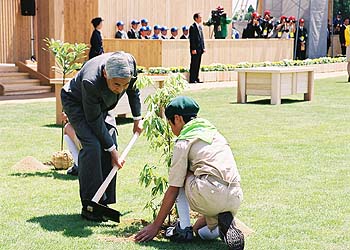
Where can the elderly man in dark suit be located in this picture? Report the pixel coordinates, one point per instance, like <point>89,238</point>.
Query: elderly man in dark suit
<point>197,47</point>
<point>87,100</point>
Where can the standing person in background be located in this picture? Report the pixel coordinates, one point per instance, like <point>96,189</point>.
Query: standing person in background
<point>120,34</point>
<point>280,27</point>
<point>96,38</point>
<point>302,40</point>
<point>156,32</point>
<point>267,24</point>
<point>328,37</point>
<point>174,33</point>
<point>337,22</point>
<point>148,31</point>
<point>144,23</point>
<point>220,21</point>
<point>347,43</point>
<point>253,29</point>
<point>132,33</point>
<point>197,47</point>
<point>292,26</point>
<point>164,31</point>
<point>143,32</point>
<point>184,32</point>
<point>235,32</point>
<point>342,35</point>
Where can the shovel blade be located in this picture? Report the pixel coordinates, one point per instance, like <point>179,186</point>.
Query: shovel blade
<point>102,211</point>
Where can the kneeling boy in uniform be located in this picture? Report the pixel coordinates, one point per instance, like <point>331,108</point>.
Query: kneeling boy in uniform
<point>203,176</point>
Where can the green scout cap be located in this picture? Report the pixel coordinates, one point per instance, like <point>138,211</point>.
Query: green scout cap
<point>181,105</point>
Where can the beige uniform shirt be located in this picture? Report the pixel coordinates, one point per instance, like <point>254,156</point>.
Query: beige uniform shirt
<point>203,159</point>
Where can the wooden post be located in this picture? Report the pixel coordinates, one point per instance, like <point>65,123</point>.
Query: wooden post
<point>260,7</point>
<point>51,25</point>
<point>276,88</point>
<point>310,87</point>
<point>241,87</point>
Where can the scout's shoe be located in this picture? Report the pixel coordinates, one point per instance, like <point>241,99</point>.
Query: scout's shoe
<point>176,234</point>
<point>73,170</point>
<point>229,233</point>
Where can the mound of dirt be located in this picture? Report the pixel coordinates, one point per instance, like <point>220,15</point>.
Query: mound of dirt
<point>243,227</point>
<point>30,164</point>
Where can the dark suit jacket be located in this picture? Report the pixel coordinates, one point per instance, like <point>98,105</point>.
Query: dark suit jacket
<point>87,97</point>
<point>252,31</point>
<point>196,41</point>
<point>183,37</point>
<point>342,34</point>
<point>96,44</point>
<point>132,34</point>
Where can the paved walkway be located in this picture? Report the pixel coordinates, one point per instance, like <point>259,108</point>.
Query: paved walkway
<point>50,97</point>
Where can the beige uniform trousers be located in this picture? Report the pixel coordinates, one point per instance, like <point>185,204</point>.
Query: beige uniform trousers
<point>210,197</point>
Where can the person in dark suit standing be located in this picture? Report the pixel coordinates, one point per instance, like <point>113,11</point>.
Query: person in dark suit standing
<point>342,36</point>
<point>96,38</point>
<point>197,47</point>
<point>302,40</point>
<point>132,33</point>
<point>87,100</point>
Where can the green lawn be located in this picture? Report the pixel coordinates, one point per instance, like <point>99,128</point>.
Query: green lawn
<point>294,160</point>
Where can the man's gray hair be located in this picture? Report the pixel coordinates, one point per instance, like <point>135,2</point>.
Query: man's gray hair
<point>120,65</point>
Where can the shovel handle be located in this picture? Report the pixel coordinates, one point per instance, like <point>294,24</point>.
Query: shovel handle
<point>114,170</point>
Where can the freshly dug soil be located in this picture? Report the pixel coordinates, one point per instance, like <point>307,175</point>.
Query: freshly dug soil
<point>30,164</point>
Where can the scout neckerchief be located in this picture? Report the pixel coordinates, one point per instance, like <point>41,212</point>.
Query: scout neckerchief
<point>198,128</point>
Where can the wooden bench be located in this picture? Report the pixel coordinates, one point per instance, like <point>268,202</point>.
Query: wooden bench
<point>122,109</point>
<point>275,82</point>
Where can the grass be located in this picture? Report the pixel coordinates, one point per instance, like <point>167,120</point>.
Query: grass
<point>293,159</point>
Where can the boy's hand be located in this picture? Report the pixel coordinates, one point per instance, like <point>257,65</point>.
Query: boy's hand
<point>147,233</point>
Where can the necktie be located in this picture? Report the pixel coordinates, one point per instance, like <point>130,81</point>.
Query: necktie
<point>200,31</point>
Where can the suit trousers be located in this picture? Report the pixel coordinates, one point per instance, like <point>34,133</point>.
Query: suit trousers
<point>195,66</point>
<point>94,162</point>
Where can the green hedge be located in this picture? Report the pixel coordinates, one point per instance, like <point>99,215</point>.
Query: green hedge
<point>232,67</point>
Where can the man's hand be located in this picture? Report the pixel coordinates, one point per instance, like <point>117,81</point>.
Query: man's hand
<point>194,52</point>
<point>115,159</point>
<point>64,117</point>
<point>204,50</point>
<point>148,233</point>
<point>137,126</point>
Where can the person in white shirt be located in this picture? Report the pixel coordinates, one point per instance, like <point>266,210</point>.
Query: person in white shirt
<point>120,34</point>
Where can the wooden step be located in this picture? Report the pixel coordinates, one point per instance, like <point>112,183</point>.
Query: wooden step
<point>26,90</point>
<point>13,75</point>
<point>26,82</point>
<point>8,68</point>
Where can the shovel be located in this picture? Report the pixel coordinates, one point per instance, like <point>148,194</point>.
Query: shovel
<point>98,209</point>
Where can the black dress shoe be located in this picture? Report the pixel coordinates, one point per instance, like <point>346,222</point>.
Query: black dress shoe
<point>349,79</point>
<point>192,82</point>
<point>199,81</point>
<point>73,170</point>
